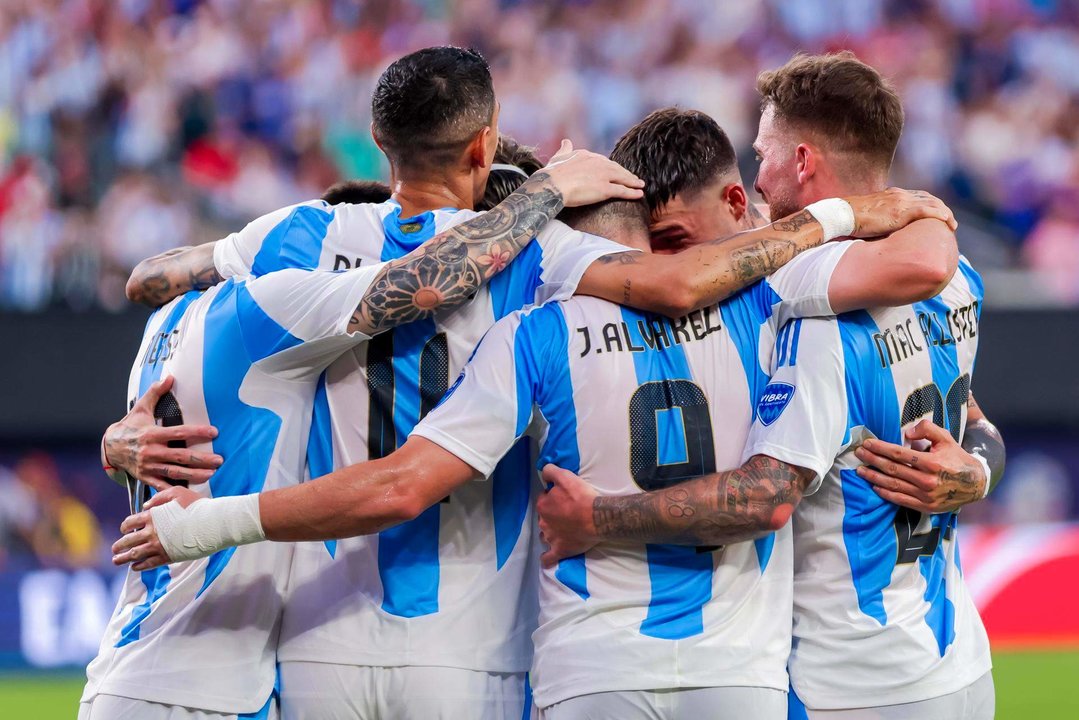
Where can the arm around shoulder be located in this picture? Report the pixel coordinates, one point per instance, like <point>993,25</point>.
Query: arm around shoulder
<point>910,265</point>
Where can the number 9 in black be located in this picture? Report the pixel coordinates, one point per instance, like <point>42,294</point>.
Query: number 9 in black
<point>678,401</point>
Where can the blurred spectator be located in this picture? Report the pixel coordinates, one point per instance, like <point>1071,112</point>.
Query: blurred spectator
<point>154,123</point>
<point>40,517</point>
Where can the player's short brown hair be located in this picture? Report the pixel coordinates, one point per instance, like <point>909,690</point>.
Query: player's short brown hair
<point>841,98</point>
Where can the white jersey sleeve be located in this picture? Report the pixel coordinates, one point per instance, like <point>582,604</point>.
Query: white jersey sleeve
<point>566,255</point>
<point>490,405</point>
<point>299,319</point>
<point>801,415</point>
<point>237,254</point>
<point>802,284</point>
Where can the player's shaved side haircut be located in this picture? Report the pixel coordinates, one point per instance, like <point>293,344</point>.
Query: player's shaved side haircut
<point>502,181</point>
<point>357,192</point>
<point>675,151</point>
<point>606,217</point>
<point>428,105</point>
<point>846,102</point>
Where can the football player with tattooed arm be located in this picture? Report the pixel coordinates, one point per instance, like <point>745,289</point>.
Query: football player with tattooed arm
<point>199,639</point>
<point>373,396</point>
<point>422,469</point>
<point>883,624</point>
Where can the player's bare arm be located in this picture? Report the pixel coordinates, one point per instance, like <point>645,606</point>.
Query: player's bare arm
<point>706,274</point>
<point>726,507</point>
<point>911,264</point>
<point>442,273</point>
<point>944,478</point>
<point>452,266</point>
<point>157,280</point>
<point>179,524</point>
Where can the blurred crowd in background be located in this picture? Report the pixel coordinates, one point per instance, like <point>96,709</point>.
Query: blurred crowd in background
<point>128,127</point>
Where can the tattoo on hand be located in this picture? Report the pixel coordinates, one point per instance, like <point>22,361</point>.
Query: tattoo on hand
<point>448,269</point>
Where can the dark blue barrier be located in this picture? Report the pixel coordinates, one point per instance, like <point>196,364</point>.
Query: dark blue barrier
<point>54,618</point>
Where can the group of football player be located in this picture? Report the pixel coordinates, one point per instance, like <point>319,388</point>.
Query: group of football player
<point>696,463</point>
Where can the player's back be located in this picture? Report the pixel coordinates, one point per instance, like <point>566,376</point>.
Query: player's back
<point>634,402</point>
<point>455,587</point>
<point>245,356</point>
<point>882,615</point>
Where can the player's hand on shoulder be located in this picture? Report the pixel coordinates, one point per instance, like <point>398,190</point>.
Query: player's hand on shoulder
<point>140,447</point>
<point>565,515</point>
<point>585,177</point>
<point>942,479</point>
<point>884,212</point>
<point>141,546</point>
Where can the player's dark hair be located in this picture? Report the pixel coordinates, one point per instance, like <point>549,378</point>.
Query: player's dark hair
<point>841,98</point>
<point>430,104</point>
<point>501,182</point>
<point>357,192</point>
<point>674,151</point>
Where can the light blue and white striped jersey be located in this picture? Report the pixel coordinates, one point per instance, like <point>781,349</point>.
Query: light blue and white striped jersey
<point>456,586</point>
<point>882,615</point>
<point>246,356</point>
<point>635,402</point>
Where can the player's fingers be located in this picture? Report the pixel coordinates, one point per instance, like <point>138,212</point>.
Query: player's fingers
<point>620,176</point>
<point>549,559</point>
<point>154,393</point>
<point>927,430</point>
<point>157,483</point>
<point>553,475</point>
<point>150,563</point>
<point>896,485</point>
<point>903,500</point>
<point>187,433</point>
<point>616,191</point>
<point>132,522</point>
<point>189,458</point>
<point>179,472</point>
<point>132,539</point>
<point>894,452</point>
<point>893,469</point>
<point>161,498</point>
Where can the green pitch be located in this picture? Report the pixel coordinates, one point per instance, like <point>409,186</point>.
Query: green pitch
<point>1030,684</point>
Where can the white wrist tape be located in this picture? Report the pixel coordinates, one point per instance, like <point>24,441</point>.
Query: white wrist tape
<point>207,526</point>
<point>985,467</point>
<point>835,215</point>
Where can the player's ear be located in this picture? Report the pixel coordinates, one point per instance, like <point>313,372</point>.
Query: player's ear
<point>805,159</point>
<point>477,149</point>
<point>737,200</point>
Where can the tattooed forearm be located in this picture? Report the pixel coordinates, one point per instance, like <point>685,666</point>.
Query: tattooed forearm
<point>983,437</point>
<point>718,509</point>
<point>722,267</point>
<point>157,280</point>
<point>449,268</point>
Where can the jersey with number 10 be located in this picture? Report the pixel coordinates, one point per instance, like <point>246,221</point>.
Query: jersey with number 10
<point>456,586</point>
<point>634,402</point>
<point>881,613</point>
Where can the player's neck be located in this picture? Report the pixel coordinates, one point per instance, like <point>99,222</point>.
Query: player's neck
<point>417,196</point>
<point>832,184</point>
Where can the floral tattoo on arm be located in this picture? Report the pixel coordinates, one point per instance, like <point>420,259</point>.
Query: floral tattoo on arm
<point>447,270</point>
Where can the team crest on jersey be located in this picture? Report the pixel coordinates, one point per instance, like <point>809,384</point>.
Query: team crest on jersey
<point>774,400</point>
<point>411,227</point>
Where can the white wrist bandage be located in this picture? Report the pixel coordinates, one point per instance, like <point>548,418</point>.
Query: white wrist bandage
<point>985,467</point>
<point>835,215</point>
<point>207,526</point>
